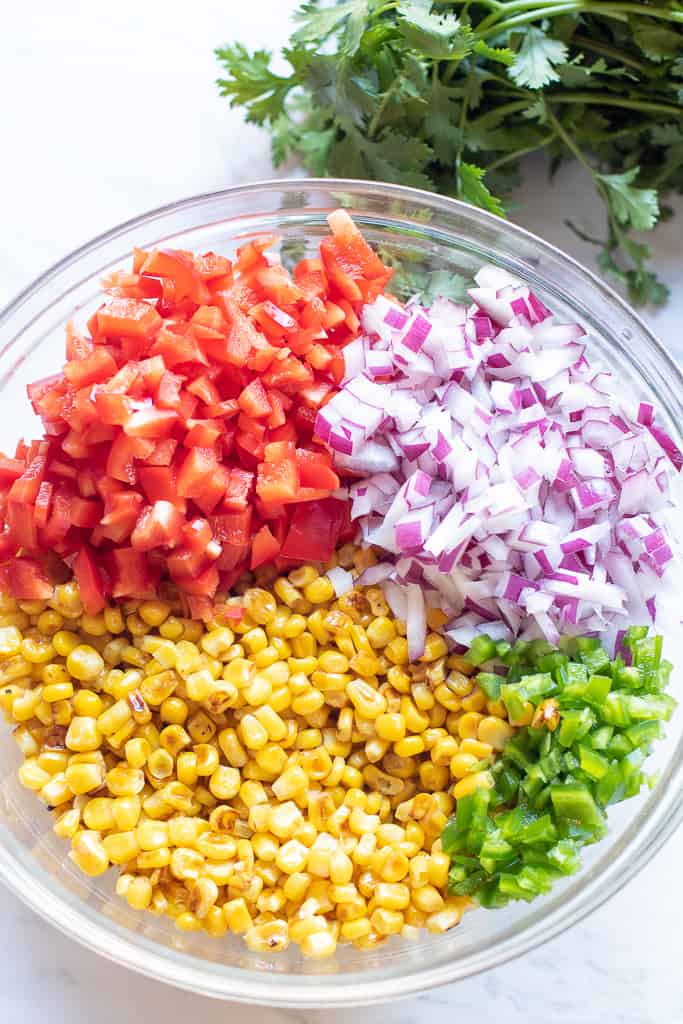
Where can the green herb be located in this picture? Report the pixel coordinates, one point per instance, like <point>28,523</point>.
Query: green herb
<point>552,786</point>
<point>450,96</point>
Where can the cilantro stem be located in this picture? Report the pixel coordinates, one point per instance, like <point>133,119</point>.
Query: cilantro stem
<point>613,101</point>
<point>381,107</point>
<point>612,52</point>
<point>519,153</point>
<point>491,27</point>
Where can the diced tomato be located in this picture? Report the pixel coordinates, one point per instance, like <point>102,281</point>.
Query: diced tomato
<point>159,525</point>
<point>264,547</point>
<point>128,318</point>
<point>314,530</point>
<point>90,581</point>
<point>25,580</point>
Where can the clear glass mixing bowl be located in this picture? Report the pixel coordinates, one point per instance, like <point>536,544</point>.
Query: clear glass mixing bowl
<point>429,231</point>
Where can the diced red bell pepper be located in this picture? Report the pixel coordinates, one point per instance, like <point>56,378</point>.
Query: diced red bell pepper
<point>195,471</point>
<point>163,452</point>
<point>59,521</point>
<point>94,368</point>
<point>85,514</point>
<point>159,525</point>
<point>238,490</point>
<point>113,408</point>
<point>21,525</point>
<point>41,510</point>
<point>203,433</point>
<point>25,488</point>
<point>159,484</point>
<point>133,575</point>
<point>128,318</point>
<point>151,422</point>
<point>314,530</point>
<point>315,470</point>
<point>168,391</point>
<point>212,490</point>
<point>264,547</point>
<point>25,580</point>
<point>254,400</point>
<point>122,455</point>
<point>122,509</point>
<point>90,581</point>
<point>10,469</point>
<point>205,584</point>
<point>277,481</point>
<point>174,266</point>
<point>232,528</point>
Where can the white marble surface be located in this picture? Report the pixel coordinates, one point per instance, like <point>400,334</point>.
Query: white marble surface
<point>109,110</point>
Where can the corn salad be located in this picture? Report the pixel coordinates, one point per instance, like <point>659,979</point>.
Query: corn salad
<point>285,777</point>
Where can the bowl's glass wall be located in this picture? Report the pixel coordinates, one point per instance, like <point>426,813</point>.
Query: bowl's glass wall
<point>432,232</point>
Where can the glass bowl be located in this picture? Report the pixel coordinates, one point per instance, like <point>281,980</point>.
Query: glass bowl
<point>426,231</point>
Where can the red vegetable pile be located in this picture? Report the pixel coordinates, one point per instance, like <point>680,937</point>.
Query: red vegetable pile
<point>179,437</point>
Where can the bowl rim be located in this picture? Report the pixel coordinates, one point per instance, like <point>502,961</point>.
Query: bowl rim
<point>244,985</point>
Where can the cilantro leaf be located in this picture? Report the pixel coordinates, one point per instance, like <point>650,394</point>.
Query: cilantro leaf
<point>634,207</point>
<point>320,22</point>
<point>252,83</point>
<point>472,189</point>
<point>657,42</point>
<point>501,54</point>
<point>450,96</point>
<point>439,35</point>
<point>535,62</point>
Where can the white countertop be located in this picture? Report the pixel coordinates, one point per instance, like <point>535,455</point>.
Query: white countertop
<point>109,110</point>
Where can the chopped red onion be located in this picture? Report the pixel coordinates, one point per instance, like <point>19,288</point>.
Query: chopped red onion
<point>506,479</point>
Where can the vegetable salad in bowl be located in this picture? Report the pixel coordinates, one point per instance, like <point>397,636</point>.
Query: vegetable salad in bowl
<point>325,617</point>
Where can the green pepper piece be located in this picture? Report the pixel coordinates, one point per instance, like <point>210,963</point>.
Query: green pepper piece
<point>574,724</point>
<point>573,800</point>
<point>490,683</point>
<point>592,763</point>
<point>482,649</point>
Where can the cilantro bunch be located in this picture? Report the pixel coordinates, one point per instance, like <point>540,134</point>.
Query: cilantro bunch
<point>450,96</point>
